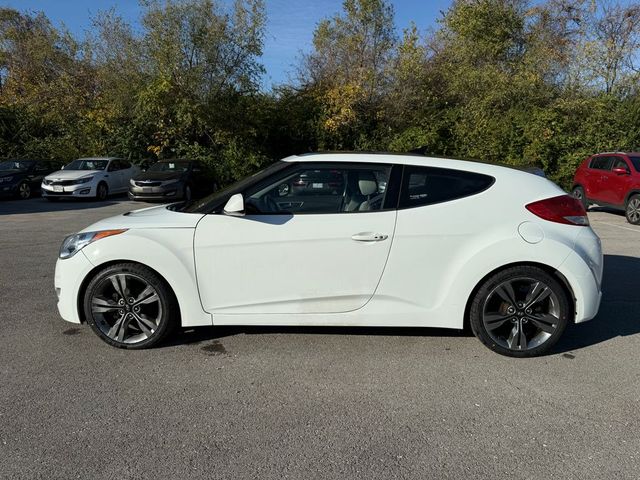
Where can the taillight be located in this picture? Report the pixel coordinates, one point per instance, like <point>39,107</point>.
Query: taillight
<point>563,209</point>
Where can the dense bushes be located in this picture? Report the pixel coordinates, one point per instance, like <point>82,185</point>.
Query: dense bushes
<point>512,81</point>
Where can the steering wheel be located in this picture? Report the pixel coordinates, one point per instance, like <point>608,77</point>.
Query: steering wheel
<point>271,206</point>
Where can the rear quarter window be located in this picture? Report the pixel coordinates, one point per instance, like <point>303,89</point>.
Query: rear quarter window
<point>429,185</point>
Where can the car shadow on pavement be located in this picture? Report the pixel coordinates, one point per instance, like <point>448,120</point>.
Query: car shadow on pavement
<point>619,315</point>
<point>41,205</point>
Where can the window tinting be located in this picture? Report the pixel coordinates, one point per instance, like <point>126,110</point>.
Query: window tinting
<point>636,162</point>
<point>619,162</point>
<point>428,185</point>
<point>600,163</point>
<point>321,189</point>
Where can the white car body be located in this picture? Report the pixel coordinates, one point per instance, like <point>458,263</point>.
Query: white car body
<point>312,270</point>
<point>66,183</point>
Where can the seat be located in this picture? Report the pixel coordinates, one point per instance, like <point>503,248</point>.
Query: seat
<point>360,187</point>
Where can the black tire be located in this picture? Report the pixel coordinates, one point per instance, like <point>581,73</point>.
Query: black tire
<point>102,192</point>
<point>24,191</point>
<point>632,210</point>
<point>103,323</point>
<point>519,319</point>
<point>578,193</point>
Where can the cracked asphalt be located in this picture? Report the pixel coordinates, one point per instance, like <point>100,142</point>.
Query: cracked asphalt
<point>306,403</point>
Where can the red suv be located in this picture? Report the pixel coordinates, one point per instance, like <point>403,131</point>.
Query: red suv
<point>611,180</point>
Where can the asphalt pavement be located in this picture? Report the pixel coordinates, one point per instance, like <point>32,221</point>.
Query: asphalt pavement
<point>306,403</point>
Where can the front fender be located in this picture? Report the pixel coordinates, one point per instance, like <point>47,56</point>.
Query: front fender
<point>167,251</point>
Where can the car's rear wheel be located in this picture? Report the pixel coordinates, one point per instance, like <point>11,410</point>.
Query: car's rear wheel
<point>102,191</point>
<point>632,210</point>
<point>24,191</point>
<point>520,312</point>
<point>129,306</point>
<point>578,194</point>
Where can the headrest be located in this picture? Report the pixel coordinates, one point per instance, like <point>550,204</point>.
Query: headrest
<point>367,183</point>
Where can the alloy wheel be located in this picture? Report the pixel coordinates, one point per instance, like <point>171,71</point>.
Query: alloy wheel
<point>127,309</point>
<point>24,190</point>
<point>521,314</point>
<point>633,210</point>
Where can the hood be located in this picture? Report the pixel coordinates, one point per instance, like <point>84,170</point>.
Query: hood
<point>71,174</point>
<point>151,217</point>
<point>158,176</point>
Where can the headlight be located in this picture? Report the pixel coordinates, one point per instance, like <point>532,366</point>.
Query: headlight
<point>132,183</point>
<point>82,180</point>
<point>77,241</point>
<point>46,182</point>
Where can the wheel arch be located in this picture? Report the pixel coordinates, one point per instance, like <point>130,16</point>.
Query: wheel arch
<point>548,269</point>
<point>632,192</point>
<point>94,271</point>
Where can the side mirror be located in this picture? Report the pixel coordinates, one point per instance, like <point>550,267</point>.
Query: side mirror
<point>235,205</point>
<point>620,171</point>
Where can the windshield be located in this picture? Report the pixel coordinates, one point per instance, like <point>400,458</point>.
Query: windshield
<point>87,165</point>
<point>213,201</point>
<point>636,162</point>
<point>178,166</point>
<point>22,165</point>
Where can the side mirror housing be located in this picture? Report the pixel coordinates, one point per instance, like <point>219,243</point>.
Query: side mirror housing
<point>620,171</point>
<point>235,205</point>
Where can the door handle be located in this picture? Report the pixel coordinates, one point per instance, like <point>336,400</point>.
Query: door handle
<point>368,237</point>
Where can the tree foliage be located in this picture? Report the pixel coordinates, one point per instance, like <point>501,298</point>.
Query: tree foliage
<point>512,81</point>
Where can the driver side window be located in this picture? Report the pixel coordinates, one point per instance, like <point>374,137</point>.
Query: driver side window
<point>327,188</point>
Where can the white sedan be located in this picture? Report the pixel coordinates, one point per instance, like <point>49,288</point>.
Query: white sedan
<point>345,240</point>
<point>96,177</point>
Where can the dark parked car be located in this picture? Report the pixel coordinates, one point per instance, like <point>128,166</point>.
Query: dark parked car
<point>610,180</point>
<point>170,180</point>
<point>22,178</point>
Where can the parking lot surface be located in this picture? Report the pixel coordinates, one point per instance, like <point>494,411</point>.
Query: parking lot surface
<point>306,403</point>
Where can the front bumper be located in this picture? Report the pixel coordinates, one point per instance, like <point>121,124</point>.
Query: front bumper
<point>83,190</point>
<point>8,190</point>
<point>167,193</point>
<point>68,278</point>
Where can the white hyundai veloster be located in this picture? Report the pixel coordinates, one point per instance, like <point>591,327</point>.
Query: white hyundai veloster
<point>345,240</point>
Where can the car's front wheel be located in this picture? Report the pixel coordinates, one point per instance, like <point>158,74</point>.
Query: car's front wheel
<point>129,306</point>
<point>102,191</point>
<point>632,211</point>
<point>24,191</point>
<point>520,312</point>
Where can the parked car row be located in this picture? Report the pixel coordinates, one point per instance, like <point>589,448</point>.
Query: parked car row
<point>98,177</point>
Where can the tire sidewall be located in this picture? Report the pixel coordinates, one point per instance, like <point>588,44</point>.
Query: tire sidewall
<point>28,187</point>
<point>102,187</point>
<point>477,307</point>
<point>167,301</point>
<point>626,214</point>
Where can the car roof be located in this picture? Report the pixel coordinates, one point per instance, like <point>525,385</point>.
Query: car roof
<point>617,153</point>
<point>407,159</point>
<point>99,158</point>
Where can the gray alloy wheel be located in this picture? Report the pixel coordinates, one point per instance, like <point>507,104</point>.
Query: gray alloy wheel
<point>129,306</point>
<point>24,191</point>
<point>102,192</point>
<point>578,194</point>
<point>632,212</point>
<point>520,312</point>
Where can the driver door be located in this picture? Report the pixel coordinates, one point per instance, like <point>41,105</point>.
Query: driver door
<point>314,239</point>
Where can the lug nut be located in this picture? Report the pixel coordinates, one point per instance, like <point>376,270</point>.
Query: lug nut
<point>121,301</point>
<point>136,309</point>
<point>528,310</point>
<point>121,312</point>
<point>131,300</point>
